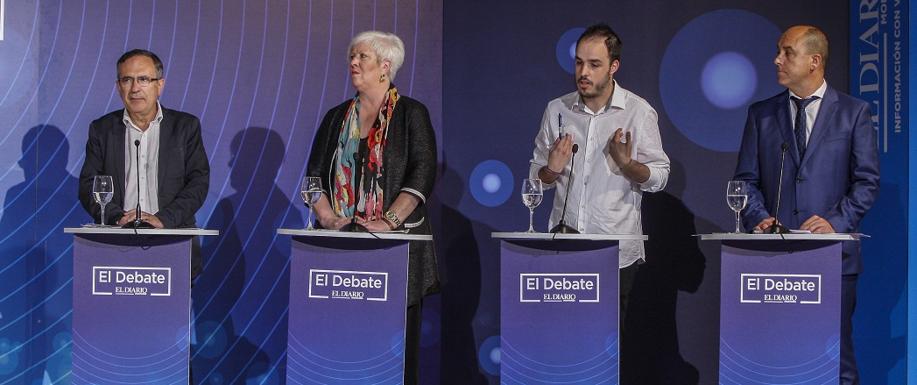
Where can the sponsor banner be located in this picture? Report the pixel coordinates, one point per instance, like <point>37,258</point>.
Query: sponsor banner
<point>878,70</point>
<point>780,313</point>
<point>347,311</point>
<point>554,287</point>
<point>345,284</point>
<point>879,58</point>
<point>131,309</point>
<point>122,280</point>
<point>781,288</point>
<point>559,312</point>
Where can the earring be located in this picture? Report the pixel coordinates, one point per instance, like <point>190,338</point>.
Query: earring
<point>381,78</point>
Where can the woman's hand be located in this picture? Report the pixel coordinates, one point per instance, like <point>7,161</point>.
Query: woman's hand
<point>333,222</point>
<point>375,226</point>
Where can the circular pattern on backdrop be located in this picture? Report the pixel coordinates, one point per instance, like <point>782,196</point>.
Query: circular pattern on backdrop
<point>491,183</point>
<point>566,48</point>
<point>9,356</point>
<point>489,355</point>
<point>708,77</point>
<point>728,80</point>
<point>396,344</point>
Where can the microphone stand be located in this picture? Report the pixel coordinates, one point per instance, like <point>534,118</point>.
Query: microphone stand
<point>562,227</point>
<point>137,223</point>
<point>778,228</point>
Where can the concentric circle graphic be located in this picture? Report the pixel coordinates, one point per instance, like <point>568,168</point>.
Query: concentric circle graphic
<point>565,51</point>
<point>708,78</point>
<point>489,355</point>
<point>491,183</point>
<point>729,80</point>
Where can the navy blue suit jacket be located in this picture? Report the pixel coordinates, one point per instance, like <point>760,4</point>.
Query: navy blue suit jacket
<point>837,179</point>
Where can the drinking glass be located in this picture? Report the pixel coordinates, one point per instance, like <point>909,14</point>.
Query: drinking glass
<point>311,193</point>
<point>737,198</point>
<point>532,194</point>
<point>103,190</point>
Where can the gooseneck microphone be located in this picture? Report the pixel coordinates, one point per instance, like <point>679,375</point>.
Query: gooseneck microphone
<point>562,227</point>
<point>137,223</point>
<point>778,228</point>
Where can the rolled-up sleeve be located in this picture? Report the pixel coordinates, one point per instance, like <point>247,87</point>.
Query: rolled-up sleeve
<point>543,142</point>
<point>649,152</point>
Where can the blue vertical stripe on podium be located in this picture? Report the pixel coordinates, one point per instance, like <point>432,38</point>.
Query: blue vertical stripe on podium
<point>347,311</point>
<point>780,312</point>
<point>131,309</point>
<point>559,312</point>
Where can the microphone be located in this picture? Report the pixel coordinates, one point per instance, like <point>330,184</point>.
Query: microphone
<point>137,223</point>
<point>562,227</point>
<point>778,228</point>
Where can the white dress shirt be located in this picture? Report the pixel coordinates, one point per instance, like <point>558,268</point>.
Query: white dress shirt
<point>602,200</point>
<point>811,109</point>
<point>149,164</point>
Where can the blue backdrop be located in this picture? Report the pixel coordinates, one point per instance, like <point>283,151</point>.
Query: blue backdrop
<point>700,64</point>
<point>260,74</point>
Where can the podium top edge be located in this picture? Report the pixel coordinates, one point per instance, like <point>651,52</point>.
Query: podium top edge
<point>521,235</point>
<point>395,236</point>
<point>779,237</point>
<point>118,230</point>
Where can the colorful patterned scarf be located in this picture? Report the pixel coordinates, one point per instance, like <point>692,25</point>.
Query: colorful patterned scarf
<point>369,204</point>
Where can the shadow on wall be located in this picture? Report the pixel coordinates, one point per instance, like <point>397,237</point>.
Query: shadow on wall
<point>241,297</point>
<point>674,262</point>
<point>37,263</point>
<point>461,290</point>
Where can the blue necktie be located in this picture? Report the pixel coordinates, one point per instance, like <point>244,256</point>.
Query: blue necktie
<point>801,126</point>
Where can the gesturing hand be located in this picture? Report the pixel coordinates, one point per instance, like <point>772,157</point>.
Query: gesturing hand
<point>561,152</point>
<point>620,147</point>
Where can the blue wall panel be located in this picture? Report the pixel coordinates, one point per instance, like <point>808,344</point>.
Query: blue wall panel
<point>878,59</point>
<point>260,74</point>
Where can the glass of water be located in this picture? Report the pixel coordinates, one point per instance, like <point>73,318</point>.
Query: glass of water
<point>532,194</point>
<point>737,198</point>
<point>102,191</point>
<point>311,193</point>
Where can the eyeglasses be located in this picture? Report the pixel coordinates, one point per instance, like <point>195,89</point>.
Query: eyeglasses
<point>143,81</point>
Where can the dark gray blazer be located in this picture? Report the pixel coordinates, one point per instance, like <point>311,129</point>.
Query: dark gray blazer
<point>410,165</point>
<point>184,172</point>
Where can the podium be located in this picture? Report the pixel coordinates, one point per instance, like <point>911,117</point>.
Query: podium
<point>559,307</point>
<point>131,305</point>
<point>780,307</point>
<point>348,302</point>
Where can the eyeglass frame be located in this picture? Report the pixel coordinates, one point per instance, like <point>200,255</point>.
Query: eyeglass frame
<point>143,81</point>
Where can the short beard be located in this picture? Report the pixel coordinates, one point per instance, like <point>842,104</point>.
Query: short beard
<point>597,89</point>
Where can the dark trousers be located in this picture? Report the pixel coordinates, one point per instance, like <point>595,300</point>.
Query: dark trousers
<point>849,373</point>
<point>412,345</point>
<point>626,277</point>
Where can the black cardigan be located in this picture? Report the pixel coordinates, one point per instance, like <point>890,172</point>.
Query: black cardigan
<point>410,164</point>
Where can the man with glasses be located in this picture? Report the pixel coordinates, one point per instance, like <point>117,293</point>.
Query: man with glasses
<point>174,174</point>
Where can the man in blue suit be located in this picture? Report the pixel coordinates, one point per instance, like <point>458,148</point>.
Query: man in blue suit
<point>831,171</point>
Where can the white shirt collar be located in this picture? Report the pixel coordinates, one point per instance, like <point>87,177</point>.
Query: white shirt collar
<point>820,92</point>
<point>617,100</point>
<point>126,118</point>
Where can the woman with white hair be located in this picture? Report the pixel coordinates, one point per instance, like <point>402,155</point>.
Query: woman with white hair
<point>376,155</point>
